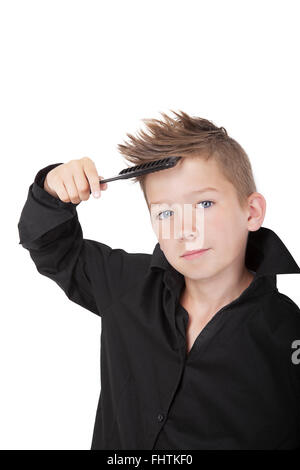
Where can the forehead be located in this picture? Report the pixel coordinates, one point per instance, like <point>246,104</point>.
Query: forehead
<point>191,174</point>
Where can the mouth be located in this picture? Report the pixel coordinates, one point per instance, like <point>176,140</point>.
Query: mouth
<point>193,254</point>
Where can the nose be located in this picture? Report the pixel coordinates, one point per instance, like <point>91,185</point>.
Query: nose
<point>189,227</point>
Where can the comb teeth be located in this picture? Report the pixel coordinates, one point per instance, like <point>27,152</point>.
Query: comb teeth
<point>144,168</point>
<point>164,161</point>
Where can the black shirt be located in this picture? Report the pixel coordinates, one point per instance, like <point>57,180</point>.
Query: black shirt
<point>237,388</point>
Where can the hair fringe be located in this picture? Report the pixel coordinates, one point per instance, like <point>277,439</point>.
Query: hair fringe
<point>184,135</point>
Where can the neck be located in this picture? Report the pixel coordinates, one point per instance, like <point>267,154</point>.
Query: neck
<point>210,295</point>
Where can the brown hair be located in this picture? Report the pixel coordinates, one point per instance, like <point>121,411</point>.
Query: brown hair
<point>191,136</point>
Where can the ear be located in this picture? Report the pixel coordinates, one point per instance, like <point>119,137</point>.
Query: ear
<point>256,211</point>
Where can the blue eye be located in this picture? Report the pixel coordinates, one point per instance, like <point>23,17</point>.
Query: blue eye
<point>201,202</point>
<point>206,201</point>
<point>162,213</point>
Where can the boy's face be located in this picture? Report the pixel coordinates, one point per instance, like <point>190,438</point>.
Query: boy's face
<point>192,221</point>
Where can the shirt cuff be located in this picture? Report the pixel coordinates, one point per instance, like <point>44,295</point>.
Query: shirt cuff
<point>42,212</point>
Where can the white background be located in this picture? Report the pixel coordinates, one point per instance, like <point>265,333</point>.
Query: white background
<point>76,76</point>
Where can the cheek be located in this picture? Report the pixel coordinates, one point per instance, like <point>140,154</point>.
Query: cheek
<point>223,227</point>
<point>216,226</point>
<point>228,232</point>
<point>164,230</point>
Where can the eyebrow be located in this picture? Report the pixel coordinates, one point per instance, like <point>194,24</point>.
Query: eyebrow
<point>197,191</point>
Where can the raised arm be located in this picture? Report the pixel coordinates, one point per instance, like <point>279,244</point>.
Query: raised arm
<point>91,273</point>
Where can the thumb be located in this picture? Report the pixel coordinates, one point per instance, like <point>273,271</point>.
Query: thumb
<point>103,186</point>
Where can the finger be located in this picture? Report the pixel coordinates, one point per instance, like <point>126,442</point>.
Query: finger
<point>103,186</point>
<point>71,189</point>
<point>92,176</point>
<point>62,192</point>
<point>82,184</point>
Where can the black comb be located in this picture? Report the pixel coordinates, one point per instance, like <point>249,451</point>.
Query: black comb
<point>144,168</point>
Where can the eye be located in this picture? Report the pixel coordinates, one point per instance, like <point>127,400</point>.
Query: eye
<point>207,207</point>
<point>159,215</point>
<point>164,212</point>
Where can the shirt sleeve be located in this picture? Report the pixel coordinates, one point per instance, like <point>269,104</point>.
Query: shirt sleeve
<point>91,273</point>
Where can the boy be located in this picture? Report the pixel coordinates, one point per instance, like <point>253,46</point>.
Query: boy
<point>197,351</point>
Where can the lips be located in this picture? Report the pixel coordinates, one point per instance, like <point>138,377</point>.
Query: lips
<point>194,251</point>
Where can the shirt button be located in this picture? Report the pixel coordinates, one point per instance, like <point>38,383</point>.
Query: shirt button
<point>160,417</point>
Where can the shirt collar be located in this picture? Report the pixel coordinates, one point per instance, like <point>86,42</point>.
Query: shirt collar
<point>266,255</point>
